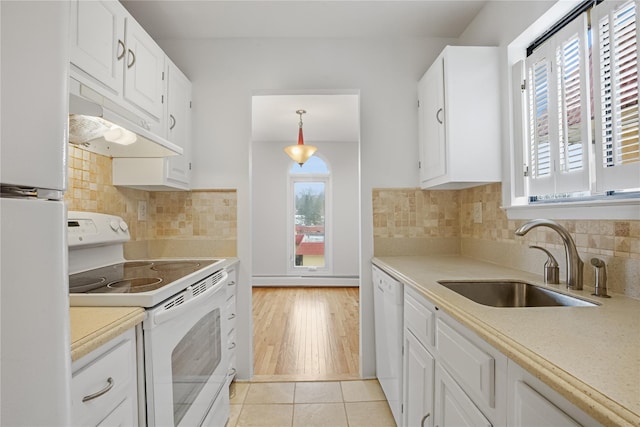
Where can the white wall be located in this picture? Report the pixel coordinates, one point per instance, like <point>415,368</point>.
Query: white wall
<point>498,24</point>
<point>227,72</point>
<point>270,176</point>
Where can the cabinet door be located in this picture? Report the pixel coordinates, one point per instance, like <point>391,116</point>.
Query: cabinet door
<point>97,41</point>
<point>418,383</point>
<point>143,79</point>
<point>531,409</point>
<point>453,407</point>
<point>431,129</point>
<point>121,416</point>
<point>179,124</point>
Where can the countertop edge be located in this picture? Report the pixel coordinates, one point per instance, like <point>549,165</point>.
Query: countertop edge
<point>585,397</point>
<point>88,343</point>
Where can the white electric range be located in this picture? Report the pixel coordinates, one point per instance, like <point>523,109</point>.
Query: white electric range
<point>185,358</point>
<point>100,276</point>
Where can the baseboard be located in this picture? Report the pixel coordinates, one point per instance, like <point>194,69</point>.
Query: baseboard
<point>287,281</point>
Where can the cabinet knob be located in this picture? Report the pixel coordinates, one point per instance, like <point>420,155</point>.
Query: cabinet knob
<point>109,386</point>
<point>121,45</point>
<point>132,59</point>
<point>424,419</point>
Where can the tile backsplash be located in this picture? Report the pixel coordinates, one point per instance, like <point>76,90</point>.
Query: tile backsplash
<point>434,216</point>
<point>179,223</point>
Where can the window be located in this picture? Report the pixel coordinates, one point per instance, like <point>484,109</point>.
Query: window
<point>581,108</point>
<point>308,238</point>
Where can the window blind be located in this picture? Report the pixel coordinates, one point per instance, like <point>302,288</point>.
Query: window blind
<point>558,113</point>
<point>618,126</point>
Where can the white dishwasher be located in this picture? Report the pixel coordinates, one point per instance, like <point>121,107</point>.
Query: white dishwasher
<point>388,311</point>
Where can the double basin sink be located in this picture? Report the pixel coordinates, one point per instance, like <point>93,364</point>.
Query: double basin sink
<point>512,293</point>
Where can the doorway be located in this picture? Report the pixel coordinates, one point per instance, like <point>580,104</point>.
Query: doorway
<point>306,312</point>
<point>306,333</point>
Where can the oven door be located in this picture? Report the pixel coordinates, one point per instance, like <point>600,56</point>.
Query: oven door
<point>185,360</point>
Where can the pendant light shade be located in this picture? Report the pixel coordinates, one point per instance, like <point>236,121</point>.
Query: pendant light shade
<point>299,152</point>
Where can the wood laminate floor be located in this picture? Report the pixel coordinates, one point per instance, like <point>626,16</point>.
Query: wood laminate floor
<point>305,334</point>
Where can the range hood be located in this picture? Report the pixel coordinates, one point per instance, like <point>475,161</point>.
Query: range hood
<point>101,126</point>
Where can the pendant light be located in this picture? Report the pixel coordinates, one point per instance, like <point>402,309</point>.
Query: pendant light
<point>299,152</point>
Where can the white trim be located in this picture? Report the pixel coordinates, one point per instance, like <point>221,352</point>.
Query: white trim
<point>517,207</point>
<point>304,281</point>
<point>328,213</point>
<point>597,209</point>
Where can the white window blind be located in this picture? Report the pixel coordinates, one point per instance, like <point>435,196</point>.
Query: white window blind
<point>617,125</point>
<point>540,162</point>
<point>558,112</point>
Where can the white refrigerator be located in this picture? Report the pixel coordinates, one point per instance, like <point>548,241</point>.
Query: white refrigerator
<point>35,361</point>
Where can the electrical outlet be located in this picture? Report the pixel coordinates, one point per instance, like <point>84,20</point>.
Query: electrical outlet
<point>142,210</point>
<point>477,212</point>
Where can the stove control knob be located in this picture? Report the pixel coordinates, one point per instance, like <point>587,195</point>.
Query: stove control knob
<point>114,225</point>
<point>123,226</point>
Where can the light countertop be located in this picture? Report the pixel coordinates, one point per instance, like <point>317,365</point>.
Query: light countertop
<point>93,326</point>
<point>590,355</point>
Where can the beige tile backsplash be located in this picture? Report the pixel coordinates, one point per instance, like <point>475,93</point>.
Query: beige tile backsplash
<point>406,221</point>
<point>427,219</point>
<point>179,223</point>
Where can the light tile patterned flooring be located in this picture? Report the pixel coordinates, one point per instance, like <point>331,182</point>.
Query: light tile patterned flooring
<point>309,404</point>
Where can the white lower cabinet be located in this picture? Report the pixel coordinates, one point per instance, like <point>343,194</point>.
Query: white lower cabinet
<point>231,315</point>
<point>452,377</point>
<point>453,408</point>
<point>532,403</point>
<point>419,367</point>
<point>104,385</point>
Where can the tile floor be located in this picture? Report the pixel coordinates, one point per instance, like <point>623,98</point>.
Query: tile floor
<point>309,404</point>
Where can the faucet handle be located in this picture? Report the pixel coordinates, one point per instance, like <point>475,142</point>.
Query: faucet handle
<point>601,278</point>
<point>551,269</point>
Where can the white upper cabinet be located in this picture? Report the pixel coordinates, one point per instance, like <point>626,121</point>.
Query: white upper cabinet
<point>169,173</point>
<point>179,123</point>
<point>144,73</point>
<point>112,55</point>
<point>97,42</point>
<point>459,119</point>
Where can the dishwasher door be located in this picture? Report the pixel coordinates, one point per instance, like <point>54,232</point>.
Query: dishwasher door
<point>388,310</point>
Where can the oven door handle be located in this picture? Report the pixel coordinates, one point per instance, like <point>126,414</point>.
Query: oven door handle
<point>169,314</point>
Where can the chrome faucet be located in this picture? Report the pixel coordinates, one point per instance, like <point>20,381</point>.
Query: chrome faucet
<point>574,263</point>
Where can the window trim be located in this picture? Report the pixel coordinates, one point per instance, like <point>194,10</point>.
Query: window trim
<point>292,269</point>
<point>514,202</point>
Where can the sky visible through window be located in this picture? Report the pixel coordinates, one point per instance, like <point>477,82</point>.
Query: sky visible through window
<point>314,165</point>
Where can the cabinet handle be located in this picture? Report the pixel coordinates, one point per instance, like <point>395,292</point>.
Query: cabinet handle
<point>232,346</point>
<point>232,372</point>
<point>232,316</point>
<point>438,115</point>
<point>173,122</point>
<point>232,283</point>
<point>97,394</point>
<point>132,59</point>
<point>424,419</point>
<point>124,49</point>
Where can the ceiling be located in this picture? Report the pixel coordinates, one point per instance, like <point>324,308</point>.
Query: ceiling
<point>329,117</point>
<point>187,19</point>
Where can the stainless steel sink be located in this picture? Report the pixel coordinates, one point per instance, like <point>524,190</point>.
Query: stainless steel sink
<point>509,293</point>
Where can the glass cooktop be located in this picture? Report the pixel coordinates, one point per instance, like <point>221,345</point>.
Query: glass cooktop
<point>133,276</point>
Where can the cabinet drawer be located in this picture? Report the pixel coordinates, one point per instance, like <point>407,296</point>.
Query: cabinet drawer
<point>112,371</point>
<point>472,367</point>
<point>419,318</point>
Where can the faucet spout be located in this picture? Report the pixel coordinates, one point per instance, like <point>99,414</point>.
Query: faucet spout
<point>574,263</point>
